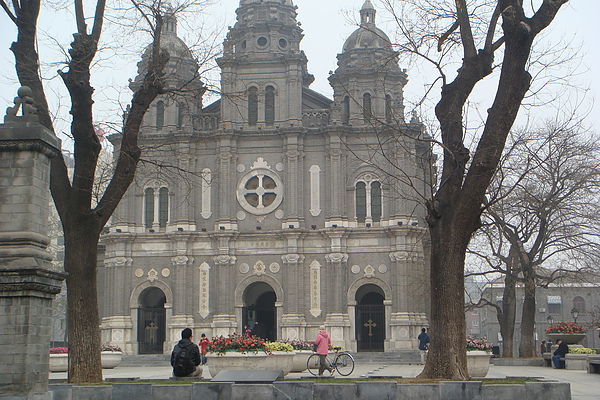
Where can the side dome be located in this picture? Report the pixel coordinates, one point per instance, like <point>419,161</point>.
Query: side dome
<point>181,67</point>
<point>367,38</point>
<point>368,35</point>
<point>284,2</point>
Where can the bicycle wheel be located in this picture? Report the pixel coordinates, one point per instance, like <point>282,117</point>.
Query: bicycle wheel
<point>344,363</point>
<point>312,364</point>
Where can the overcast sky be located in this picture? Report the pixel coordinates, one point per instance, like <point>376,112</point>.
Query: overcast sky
<point>326,25</point>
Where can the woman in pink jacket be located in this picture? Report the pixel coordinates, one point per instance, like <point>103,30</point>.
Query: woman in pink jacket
<point>323,341</point>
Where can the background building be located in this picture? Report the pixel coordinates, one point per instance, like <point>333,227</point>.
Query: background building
<point>273,205</point>
<point>553,303</point>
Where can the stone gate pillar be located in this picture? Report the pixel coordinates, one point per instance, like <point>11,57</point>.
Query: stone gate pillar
<point>28,283</point>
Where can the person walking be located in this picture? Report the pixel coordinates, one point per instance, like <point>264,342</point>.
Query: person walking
<point>423,344</point>
<point>323,342</point>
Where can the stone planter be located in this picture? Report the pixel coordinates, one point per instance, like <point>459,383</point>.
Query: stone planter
<point>111,359</point>
<point>478,363</point>
<point>58,362</point>
<point>576,361</point>
<point>250,361</point>
<point>300,360</point>
<point>568,339</point>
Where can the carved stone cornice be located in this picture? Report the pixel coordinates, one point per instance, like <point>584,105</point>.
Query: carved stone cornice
<point>336,257</point>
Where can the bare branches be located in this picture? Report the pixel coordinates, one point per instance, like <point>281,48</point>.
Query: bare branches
<point>8,11</point>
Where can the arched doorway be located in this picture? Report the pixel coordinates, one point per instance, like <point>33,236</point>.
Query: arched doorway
<point>259,313</point>
<point>151,321</point>
<point>370,318</point>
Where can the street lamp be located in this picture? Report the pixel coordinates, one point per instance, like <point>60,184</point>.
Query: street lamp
<point>550,319</point>
<point>575,314</point>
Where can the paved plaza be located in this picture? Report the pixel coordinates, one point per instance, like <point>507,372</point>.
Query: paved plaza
<point>584,386</point>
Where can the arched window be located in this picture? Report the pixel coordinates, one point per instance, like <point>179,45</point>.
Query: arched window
<point>368,200</point>
<point>163,207</point>
<point>388,108</point>
<point>180,110</point>
<point>252,106</point>
<point>270,105</point>
<point>376,201</point>
<point>149,207</point>
<point>579,304</point>
<point>367,108</point>
<point>160,115</point>
<point>346,110</point>
<point>361,202</point>
<point>156,206</point>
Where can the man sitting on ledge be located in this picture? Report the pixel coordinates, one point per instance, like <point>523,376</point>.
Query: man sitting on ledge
<point>559,353</point>
<point>185,358</point>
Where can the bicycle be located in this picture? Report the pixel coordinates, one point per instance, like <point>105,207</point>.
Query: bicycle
<point>343,362</point>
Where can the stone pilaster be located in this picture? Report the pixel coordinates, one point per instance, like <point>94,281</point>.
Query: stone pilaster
<point>28,283</point>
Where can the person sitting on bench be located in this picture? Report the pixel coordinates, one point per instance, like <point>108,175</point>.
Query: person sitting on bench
<point>559,353</point>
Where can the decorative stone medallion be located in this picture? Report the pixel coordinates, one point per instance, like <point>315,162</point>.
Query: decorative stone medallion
<point>139,273</point>
<point>244,268</point>
<point>355,269</point>
<point>274,267</point>
<point>382,269</point>
<point>241,215</point>
<point>165,272</point>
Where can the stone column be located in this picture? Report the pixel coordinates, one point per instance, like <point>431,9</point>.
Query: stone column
<point>28,283</point>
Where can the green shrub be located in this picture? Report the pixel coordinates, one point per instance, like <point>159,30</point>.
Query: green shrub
<point>278,346</point>
<point>582,350</point>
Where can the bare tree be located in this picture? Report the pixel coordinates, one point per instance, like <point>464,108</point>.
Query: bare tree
<point>472,34</point>
<point>82,218</point>
<point>542,221</point>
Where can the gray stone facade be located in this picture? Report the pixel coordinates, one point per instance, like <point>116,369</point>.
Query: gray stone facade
<point>274,204</point>
<point>28,283</point>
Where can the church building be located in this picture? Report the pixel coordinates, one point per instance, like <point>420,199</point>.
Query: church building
<point>273,205</point>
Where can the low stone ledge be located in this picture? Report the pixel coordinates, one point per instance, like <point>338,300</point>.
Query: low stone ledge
<point>518,362</point>
<point>469,390</point>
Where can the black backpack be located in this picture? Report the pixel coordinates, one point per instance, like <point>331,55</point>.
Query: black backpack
<point>183,365</point>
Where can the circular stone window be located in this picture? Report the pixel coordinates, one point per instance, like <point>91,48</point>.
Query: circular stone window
<point>283,43</point>
<point>262,41</point>
<point>260,191</point>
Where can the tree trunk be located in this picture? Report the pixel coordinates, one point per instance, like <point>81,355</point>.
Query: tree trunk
<point>448,356</point>
<point>508,316</point>
<point>81,247</point>
<point>527,345</point>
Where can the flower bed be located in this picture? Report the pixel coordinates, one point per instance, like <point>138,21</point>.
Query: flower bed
<point>237,343</point>
<point>567,328</point>
<point>474,343</point>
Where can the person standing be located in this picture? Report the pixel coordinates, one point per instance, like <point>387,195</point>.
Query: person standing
<point>423,344</point>
<point>323,342</point>
<point>559,353</point>
<point>204,342</point>
<point>185,358</point>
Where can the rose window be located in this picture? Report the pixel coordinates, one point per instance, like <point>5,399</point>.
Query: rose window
<point>260,192</point>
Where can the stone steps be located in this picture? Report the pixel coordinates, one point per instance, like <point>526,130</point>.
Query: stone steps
<point>146,360</point>
<point>390,357</point>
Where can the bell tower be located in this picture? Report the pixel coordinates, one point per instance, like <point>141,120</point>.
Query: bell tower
<point>263,68</point>
<point>368,83</point>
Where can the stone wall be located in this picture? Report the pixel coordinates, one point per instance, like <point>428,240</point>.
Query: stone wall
<point>310,390</point>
